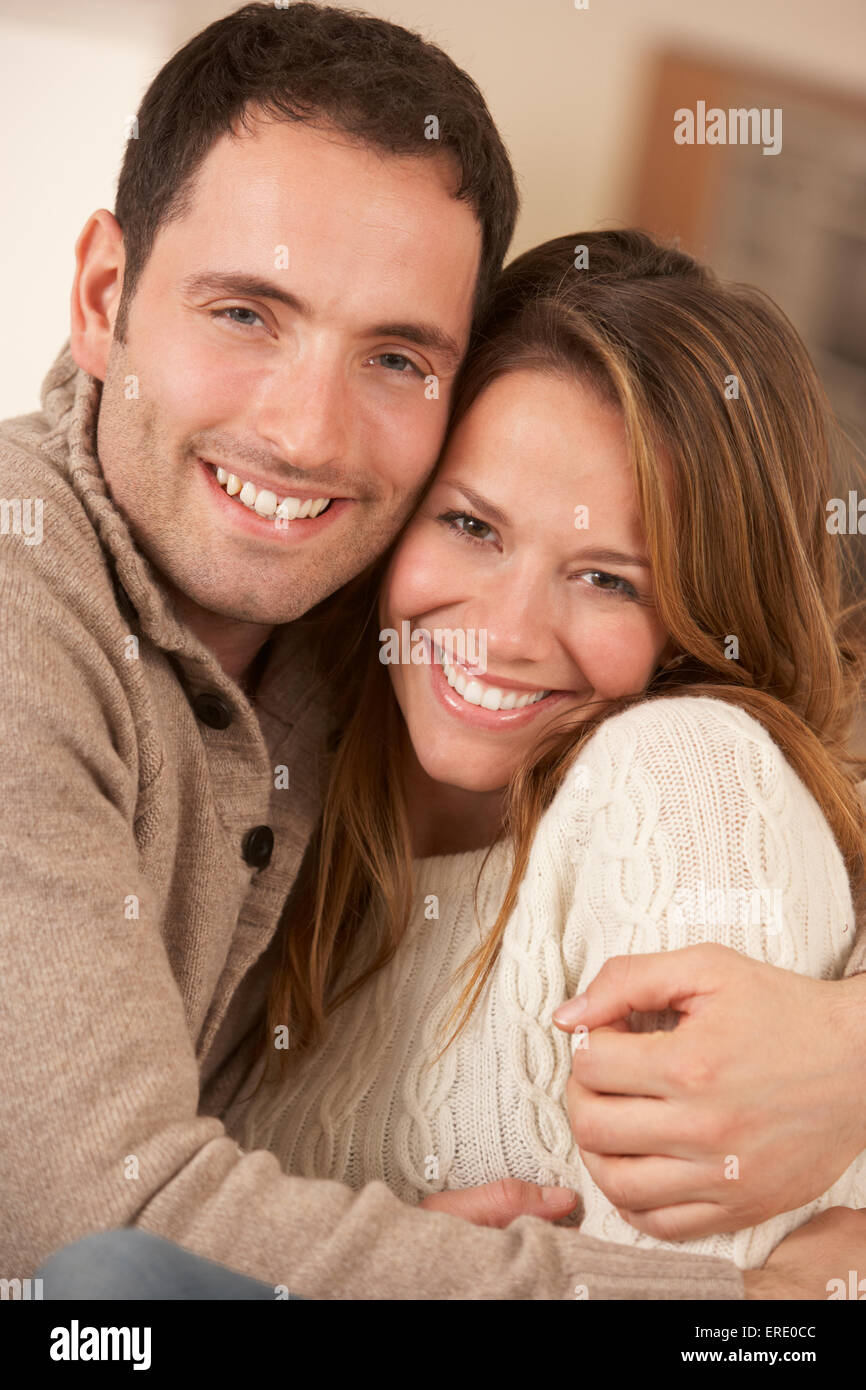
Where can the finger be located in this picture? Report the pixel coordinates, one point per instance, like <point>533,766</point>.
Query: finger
<point>619,1025</point>
<point>645,1185</point>
<point>500,1203</point>
<point>683,1222</point>
<point>646,983</point>
<point>625,1126</point>
<point>618,1063</point>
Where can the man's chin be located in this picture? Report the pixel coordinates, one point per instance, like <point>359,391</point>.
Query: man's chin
<point>221,610</point>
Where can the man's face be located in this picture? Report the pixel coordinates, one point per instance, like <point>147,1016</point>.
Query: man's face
<point>325,394</point>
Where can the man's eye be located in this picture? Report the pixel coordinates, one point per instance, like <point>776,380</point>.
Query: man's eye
<point>396,363</point>
<point>237,309</point>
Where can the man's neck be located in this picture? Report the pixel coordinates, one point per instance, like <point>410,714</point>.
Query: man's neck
<point>237,645</point>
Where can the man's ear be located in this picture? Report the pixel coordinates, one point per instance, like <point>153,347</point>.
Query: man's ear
<point>96,290</point>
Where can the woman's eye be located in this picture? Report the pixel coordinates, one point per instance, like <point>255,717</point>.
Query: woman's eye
<point>237,309</point>
<point>396,363</point>
<point>609,583</point>
<point>472,528</point>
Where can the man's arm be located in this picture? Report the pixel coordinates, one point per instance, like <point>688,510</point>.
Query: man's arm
<point>766,1064</point>
<point>100,1125</point>
<point>803,1265</point>
<point>770,1067</point>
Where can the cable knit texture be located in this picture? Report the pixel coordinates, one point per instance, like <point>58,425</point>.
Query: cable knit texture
<point>126,1033</point>
<point>680,822</point>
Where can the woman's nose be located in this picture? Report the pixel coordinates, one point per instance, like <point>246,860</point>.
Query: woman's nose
<point>517,617</point>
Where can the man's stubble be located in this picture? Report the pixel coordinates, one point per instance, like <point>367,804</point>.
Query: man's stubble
<point>140,461</point>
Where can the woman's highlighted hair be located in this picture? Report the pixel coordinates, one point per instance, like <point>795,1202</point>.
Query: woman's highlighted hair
<point>732,490</point>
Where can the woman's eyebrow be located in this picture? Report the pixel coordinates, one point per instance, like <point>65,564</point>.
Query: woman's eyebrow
<point>600,554</point>
<point>423,335</point>
<point>611,557</point>
<point>482,504</point>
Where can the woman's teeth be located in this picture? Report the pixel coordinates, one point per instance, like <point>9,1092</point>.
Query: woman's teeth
<point>476,692</point>
<point>266,503</point>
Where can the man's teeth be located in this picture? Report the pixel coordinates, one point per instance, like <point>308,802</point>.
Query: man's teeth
<point>476,692</point>
<point>266,503</point>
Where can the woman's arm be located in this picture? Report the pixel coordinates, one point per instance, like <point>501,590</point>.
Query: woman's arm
<point>807,1264</point>
<point>693,828</point>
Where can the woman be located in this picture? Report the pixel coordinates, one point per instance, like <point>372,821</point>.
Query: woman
<point>598,706</point>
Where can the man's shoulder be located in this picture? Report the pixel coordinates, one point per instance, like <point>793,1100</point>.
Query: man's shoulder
<point>45,531</point>
<point>29,450</point>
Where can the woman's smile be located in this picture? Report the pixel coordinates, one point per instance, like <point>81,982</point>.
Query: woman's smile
<point>487,702</point>
<point>561,617</point>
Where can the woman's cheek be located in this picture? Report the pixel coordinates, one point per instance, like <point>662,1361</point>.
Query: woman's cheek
<point>618,655</point>
<point>420,575</point>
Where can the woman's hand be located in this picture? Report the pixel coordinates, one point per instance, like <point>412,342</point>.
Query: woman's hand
<point>752,1106</point>
<point>500,1203</point>
<point>811,1260</point>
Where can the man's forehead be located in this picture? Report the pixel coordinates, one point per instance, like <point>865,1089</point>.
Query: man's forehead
<point>294,182</point>
<point>319,236</point>
<point>290,153</point>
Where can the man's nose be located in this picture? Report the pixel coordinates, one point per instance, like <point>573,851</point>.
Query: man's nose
<point>304,410</point>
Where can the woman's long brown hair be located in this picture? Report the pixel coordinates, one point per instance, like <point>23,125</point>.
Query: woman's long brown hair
<point>735,455</point>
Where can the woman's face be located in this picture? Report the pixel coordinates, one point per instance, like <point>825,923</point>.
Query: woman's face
<point>529,544</point>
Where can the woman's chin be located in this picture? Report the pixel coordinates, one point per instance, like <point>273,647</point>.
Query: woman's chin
<point>453,771</point>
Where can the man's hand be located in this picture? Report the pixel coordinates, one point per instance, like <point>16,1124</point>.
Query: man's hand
<point>500,1203</point>
<point>753,1105</point>
<point>802,1265</point>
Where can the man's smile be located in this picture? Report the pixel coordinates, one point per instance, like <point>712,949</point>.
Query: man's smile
<point>264,511</point>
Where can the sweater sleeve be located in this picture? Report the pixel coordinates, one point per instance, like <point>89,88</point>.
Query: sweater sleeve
<point>99,1106</point>
<point>857,960</point>
<point>684,823</point>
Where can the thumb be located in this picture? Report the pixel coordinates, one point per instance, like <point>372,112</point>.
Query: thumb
<point>500,1203</point>
<point>646,984</point>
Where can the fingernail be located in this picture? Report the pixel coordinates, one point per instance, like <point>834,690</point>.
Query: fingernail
<point>571,1011</point>
<point>558,1196</point>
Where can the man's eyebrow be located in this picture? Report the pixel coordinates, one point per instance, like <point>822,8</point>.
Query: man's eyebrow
<point>599,554</point>
<point>423,335</point>
<point>227,282</point>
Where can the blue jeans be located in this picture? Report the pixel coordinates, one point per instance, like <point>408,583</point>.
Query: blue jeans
<point>133,1264</point>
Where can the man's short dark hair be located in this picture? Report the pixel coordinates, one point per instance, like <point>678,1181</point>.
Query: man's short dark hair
<point>375,81</point>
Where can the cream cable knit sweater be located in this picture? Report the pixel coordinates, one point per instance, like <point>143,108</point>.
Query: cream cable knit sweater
<point>680,822</point>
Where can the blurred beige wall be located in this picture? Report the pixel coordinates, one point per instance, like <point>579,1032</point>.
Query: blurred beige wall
<point>567,88</point>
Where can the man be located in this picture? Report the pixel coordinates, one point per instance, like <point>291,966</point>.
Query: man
<point>263,343</point>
